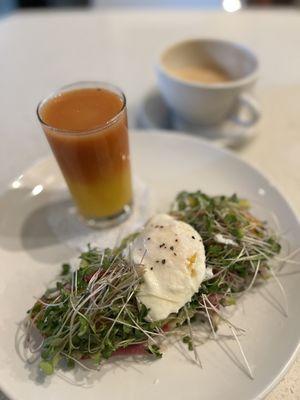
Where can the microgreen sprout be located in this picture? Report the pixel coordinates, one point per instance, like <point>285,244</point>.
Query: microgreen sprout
<point>93,312</point>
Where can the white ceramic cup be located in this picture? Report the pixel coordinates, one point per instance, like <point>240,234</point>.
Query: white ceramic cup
<point>206,103</point>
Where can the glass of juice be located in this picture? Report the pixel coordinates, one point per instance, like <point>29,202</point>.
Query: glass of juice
<point>86,126</point>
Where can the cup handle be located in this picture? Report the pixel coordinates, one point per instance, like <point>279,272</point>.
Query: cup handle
<point>249,106</point>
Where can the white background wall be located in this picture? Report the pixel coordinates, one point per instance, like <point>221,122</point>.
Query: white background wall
<point>160,3</point>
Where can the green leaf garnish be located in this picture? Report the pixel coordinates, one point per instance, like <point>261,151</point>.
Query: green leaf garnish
<point>93,311</point>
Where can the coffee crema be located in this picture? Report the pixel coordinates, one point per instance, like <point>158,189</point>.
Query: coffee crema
<point>201,74</point>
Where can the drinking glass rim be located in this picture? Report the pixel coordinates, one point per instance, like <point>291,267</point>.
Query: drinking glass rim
<point>85,84</point>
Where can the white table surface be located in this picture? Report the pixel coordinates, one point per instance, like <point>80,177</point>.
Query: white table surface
<point>42,51</point>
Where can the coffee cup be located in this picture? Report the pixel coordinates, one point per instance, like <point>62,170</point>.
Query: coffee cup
<point>201,80</point>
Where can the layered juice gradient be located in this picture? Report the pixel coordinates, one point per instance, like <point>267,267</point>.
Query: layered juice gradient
<point>87,131</point>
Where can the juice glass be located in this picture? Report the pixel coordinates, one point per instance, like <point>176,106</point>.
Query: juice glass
<point>85,124</point>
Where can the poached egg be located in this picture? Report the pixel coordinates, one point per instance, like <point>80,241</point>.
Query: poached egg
<point>173,257</point>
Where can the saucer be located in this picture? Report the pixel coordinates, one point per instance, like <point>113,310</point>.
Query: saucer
<point>238,129</point>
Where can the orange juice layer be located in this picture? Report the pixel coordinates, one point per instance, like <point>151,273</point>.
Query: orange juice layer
<point>95,164</point>
<point>104,197</point>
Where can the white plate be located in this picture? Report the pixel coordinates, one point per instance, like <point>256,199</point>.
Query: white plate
<point>30,256</point>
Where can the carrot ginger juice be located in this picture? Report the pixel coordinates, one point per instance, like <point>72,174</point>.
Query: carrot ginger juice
<point>86,127</point>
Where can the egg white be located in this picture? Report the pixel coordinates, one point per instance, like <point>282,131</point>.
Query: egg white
<point>173,257</point>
